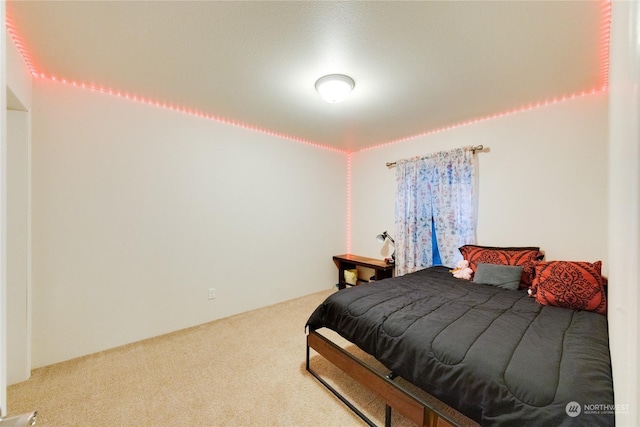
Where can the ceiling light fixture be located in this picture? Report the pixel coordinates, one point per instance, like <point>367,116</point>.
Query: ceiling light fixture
<point>334,87</point>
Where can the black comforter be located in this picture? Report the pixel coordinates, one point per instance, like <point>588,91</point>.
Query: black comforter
<point>493,354</point>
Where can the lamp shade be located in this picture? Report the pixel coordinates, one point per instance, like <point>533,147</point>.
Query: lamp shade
<point>383,236</point>
<point>334,87</point>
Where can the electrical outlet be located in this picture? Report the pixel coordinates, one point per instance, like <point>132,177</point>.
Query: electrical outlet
<point>212,293</point>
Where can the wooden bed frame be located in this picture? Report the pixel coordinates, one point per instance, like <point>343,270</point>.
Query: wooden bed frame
<point>391,393</point>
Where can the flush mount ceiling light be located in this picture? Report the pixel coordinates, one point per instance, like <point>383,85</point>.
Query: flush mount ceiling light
<point>334,87</point>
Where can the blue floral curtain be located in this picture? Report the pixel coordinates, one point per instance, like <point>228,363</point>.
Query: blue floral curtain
<point>435,209</point>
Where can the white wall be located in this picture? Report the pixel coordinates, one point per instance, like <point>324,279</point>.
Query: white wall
<point>19,92</point>
<point>137,211</point>
<point>543,181</point>
<point>18,245</point>
<point>18,77</point>
<point>624,209</point>
<point>3,213</point>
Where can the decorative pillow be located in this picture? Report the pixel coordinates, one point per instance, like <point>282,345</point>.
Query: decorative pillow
<point>502,276</point>
<point>571,284</point>
<point>525,257</point>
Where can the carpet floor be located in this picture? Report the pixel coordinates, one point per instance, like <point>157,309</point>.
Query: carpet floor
<point>244,370</point>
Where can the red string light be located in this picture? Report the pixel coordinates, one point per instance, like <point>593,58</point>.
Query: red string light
<point>11,29</point>
<point>348,242</point>
<point>602,86</point>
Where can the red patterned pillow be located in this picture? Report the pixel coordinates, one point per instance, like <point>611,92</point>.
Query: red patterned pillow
<point>571,284</point>
<point>525,257</point>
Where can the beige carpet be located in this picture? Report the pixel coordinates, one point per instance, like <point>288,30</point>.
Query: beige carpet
<point>245,370</point>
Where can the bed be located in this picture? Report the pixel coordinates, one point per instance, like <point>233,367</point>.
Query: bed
<point>493,354</point>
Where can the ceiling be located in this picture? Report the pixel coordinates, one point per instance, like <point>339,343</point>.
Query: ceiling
<point>418,66</point>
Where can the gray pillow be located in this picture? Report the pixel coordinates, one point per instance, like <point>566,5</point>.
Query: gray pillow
<point>502,276</point>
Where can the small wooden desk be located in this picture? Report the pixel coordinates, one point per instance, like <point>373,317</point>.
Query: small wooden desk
<point>344,262</point>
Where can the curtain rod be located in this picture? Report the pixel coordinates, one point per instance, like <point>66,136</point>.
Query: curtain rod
<point>473,150</point>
